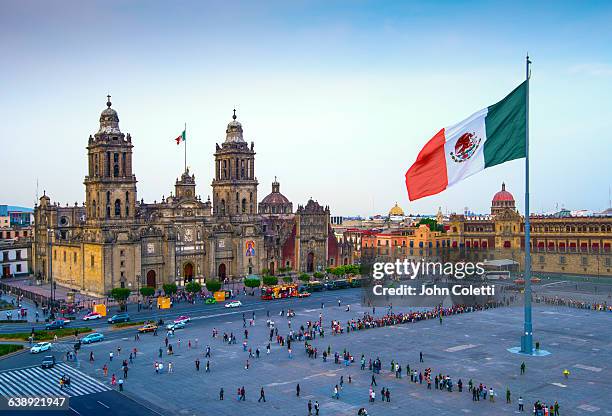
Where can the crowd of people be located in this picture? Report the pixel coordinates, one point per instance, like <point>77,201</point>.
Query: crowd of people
<point>574,303</point>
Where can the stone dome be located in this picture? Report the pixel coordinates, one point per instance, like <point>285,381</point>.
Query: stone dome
<point>109,120</point>
<point>233,133</point>
<point>396,211</point>
<point>275,202</point>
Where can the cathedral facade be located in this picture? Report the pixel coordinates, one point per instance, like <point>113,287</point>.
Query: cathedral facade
<point>115,240</point>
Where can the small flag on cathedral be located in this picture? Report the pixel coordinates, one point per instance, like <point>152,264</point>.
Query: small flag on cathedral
<point>181,138</point>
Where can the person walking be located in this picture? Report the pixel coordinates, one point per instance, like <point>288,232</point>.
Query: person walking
<point>523,368</point>
<point>421,356</point>
<point>508,395</point>
<point>336,392</point>
<point>262,395</point>
<point>208,366</point>
<point>221,394</point>
<point>243,394</point>
<point>316,407</point>
<point>309,407</point>
<point>297,390</point>
<point>373,382</point>
<point>170,367</point>
<point>105,370</point>
<point>110,356</point>
<point>120,384</point>
<point>521,404</point>
<point>197,364</point>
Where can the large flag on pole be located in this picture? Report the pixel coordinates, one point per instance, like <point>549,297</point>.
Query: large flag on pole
<point>487,138</point>
<point>182,137</point>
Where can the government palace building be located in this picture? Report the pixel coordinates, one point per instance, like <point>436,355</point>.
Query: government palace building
<point>562,243</point>
<point>115,240</point>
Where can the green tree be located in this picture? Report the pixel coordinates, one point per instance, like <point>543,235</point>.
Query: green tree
<point>265,271</point>
<point>213,285</point>
<point>287,279</point>
<point>270,280</point>
<point>252,282</point>
<point>147,291</point>
<point>193,287</point>
<point>304,277</point>
<point>120,294</point>
<point>339,271</point>
<point>170,289</point>
<point>317,275</point>
<point>432,224</point>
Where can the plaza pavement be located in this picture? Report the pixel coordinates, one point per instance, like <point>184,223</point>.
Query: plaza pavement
<point>465,346</point>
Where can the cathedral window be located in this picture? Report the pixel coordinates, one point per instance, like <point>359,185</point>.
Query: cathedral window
<point>108,211</point>
<point>225,169</point>
<point>108,197</point>
<point>123,163</point>
<point>223,207</point>
<point>92,260</point>
<point>94,208</point>
<point>107,167</point>
<point>244,205</point>
<point>115,164</point>
<point>117,208</point>
<point>242,169</point>
<point>127,203</point>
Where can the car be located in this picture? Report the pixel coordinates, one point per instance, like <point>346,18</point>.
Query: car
<point>182,318</point>
<point>303,294</point>
<point>233,304</point>
<point>92,315</point>
<point>120,317</point>
<point>210,301</point>
<point>94,337</point>
<point>147,328</point>
<point>40,347</point>
<point>48,361</point>
<point>175,325</point>
<point>66,320</point>
<point>59,324</point>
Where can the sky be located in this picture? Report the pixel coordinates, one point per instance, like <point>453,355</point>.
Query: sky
<point>338,96</point>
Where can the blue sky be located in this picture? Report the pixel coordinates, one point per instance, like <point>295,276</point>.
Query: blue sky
<point>339,97</point>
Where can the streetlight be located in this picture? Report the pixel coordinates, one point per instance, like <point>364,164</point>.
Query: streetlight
<point>50,256</point>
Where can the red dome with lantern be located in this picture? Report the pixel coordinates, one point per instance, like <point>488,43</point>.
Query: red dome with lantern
<point>502,200</point>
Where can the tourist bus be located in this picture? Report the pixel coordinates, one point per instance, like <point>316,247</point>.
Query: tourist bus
<point>315,286</point>
<point>279,292</point>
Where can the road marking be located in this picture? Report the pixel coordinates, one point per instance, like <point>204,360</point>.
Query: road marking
<point>461,347</point>
<point>226,313</point>
<point>75,411</point>
<point>588,367</point>
<point>559,385</point>
<point>103,404</point>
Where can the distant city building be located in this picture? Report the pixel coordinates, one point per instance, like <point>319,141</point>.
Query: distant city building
<point>14,258</point>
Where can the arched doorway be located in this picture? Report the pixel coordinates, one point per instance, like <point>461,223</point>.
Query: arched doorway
<point>310,262</point>
<point>188,272</point>
<point>151,278</point>
<point>271,268</point>
<point>346,261</point>
<point>222,273</point>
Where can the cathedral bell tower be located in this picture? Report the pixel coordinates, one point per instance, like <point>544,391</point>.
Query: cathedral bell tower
<point>110,185</point>
<point>235,184</point>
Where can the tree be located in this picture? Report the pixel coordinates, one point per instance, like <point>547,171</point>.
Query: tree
<point>213,285</point>
<point>193,287</point>
<point>339,271</point>
<point>270,280</point>
<point>120,294</point>
<point>147,291</point>
<point>287,279</point>
<point>252,282</point>
<point>317,275</point>
<point>304,277</point>
<point>170,289</point>
<point>265,271</point>
<point>432,224</point>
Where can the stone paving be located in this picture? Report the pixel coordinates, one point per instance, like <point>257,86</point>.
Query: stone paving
<point>464,346</point>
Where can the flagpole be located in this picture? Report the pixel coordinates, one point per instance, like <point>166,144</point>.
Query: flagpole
<point>527,337</point>
<point>185,142</point>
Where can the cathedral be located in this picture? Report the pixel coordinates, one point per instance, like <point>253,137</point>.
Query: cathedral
<point>115,240</point>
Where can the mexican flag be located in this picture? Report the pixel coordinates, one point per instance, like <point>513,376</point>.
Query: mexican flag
<point>487,138</point>
<point>182,137</point>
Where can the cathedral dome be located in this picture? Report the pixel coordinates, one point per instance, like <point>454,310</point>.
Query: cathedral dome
<point>233,133</point>
<point>396,211</point>
<point>109,120</point>
<point>503,195</point>
<point>275,202</point>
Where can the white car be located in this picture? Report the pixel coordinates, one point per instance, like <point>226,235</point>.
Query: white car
<point>175,325</point>
<point>40,347</point>
<point>233,304</point>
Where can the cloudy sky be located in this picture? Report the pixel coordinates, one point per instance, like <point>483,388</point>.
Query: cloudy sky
<point>338,96</point>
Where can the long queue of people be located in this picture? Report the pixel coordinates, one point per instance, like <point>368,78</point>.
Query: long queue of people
<point>573,303</point>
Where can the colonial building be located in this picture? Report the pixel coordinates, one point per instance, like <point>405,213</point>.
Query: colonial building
<point>561,243</point>
<point>114,240</point>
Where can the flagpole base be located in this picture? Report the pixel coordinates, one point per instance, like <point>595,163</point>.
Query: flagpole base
<point>534,353</point>
<point>527,343</point>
